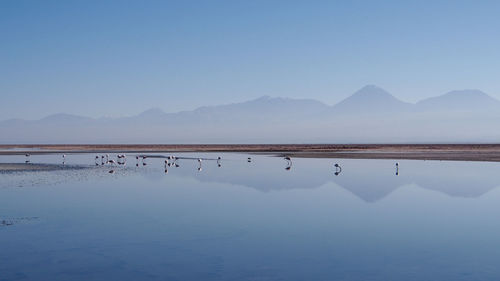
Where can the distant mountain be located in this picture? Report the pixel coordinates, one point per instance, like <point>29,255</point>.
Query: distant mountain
<point>371,99</point>
<point>63,118</point>
<point>369,115</point>
<point>267,105</point>
<point>152,113</point>
<point>465,100</point>
<point>263,109</point>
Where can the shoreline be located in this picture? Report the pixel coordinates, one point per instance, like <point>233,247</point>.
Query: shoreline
<point>447,152</point>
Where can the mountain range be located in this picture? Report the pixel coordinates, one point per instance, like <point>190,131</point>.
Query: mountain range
<point>369,115</point>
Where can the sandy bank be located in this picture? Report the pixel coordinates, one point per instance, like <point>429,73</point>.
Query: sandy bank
<point>458,152</point>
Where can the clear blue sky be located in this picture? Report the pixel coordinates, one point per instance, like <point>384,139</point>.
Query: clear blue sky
<point>116,58</point>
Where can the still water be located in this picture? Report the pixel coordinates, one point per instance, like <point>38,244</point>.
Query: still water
<point>257,220</point>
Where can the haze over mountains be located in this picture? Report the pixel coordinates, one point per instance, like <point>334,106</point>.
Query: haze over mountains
<point>369,115</point>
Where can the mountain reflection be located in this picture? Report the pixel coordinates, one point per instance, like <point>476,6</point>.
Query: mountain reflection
<point>370,180</point>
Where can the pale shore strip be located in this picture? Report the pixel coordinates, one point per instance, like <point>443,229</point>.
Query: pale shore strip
<point>30,167</point>
<point>455,152</point>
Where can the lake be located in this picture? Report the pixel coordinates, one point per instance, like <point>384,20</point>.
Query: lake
<point>267,219</point>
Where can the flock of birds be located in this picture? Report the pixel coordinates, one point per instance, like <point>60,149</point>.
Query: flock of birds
<point>171,161</point>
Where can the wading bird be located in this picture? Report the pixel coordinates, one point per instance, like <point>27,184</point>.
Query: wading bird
<point>289,163</point>
<point>338,169</point>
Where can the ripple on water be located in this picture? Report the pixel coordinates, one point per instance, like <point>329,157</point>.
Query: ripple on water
<point>26,174</point>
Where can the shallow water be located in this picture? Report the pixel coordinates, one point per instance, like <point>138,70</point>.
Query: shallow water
<point>249,221</point>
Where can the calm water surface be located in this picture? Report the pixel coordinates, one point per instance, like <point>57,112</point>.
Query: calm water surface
<point>250,221</point>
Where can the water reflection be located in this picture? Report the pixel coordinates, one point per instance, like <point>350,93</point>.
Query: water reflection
<point>370,180</point>
<point>248,221</point>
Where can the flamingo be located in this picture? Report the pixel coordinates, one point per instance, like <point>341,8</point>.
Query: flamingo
<point>199,162</point>
<point>289,163</point>
<point>338,169</point>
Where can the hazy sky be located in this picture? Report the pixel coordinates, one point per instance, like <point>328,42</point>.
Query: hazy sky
<point>116,58</point>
